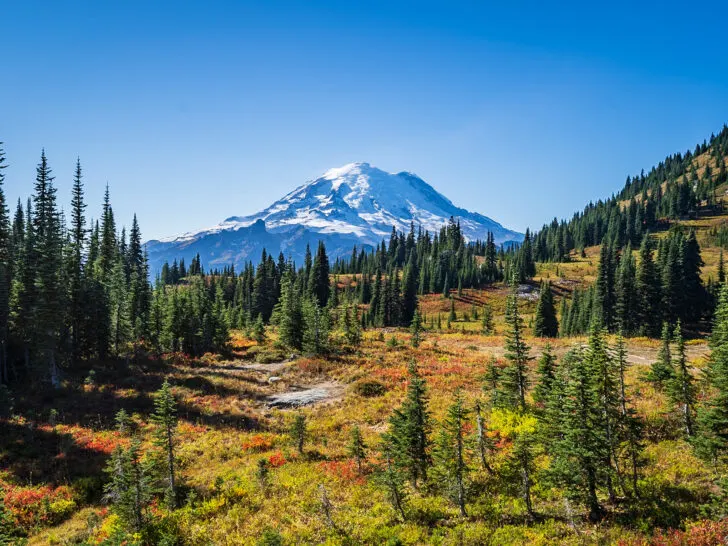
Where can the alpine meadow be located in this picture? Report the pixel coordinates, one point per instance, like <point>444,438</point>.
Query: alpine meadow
<point>363,361</point>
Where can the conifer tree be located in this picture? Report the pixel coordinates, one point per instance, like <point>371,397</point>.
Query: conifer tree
<point>626,292</point>
<point>606,382</point>
<point>605,288</point>
<point>392,476</point>
<point>662,370</point>
<point>47,260</point>
<point>450,454</point>
<point>579,448</point>
<point>165,420</point>
<point>298,432</point>
<point>317,326</point>
<point>409,289</point>
<point>713,416</point>
<point>410,428</point>
<point>415,329</point>
<point>630,426</point>
<point>357,448</point>
<point>5,275</point>
<point>290,319</point>
<point>648,291</point>
<point>129,488</point>
<point>259,330</point>
<point>546,373</point>
<point>485,444</point>
<point>681,387</point>
<point>319,284</point>
<point>545,323</point>
<point>75,268</point>
<point>486,324</point>
<point>514,378</point>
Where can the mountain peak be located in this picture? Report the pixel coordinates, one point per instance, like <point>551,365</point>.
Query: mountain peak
<point>352,204</point>
<point>348,169</point>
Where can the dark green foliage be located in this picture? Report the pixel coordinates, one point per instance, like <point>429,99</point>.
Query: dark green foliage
<point>298,432</point>
<point>484,443</point>
<point>545,323</point>
<point>713,416</point>
<point>317,325</point>
<point>409,430</point>
<point>357,448</point>
<point>546,374</point>
<point>392,476</point>
<point>450,449</point>
<point>319,283</point>
<point>681,387</point>
<point>130,483</point>
<point>165,420</point>
<point>416,329</point>
<point>627,296</point>
<point>514,378</point>
<point>290,319</point>
<point>579,449</point>
<point>662,370</point>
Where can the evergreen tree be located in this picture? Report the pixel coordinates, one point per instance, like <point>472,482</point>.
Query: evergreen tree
<point>514,380</point>
<point>545,323</point>
<point>486,324</point>
<point>415,329</point>
<point>648,291</point>
<point>316,330</point>
<point>485,444</point>
<point>713,417</point>
<point>409,290</point>
<point>357,448</point>
<point>579,448</point>
<point>76,299</point>
<point>409,430</point>
<point>298,432</point>
<point>259,330</point>
<point>129,488</point>
<point>290,320</point>
<point>605,284</point>
<point>5,276</point>
<point>450,454</point>
<point>165,419</point>
<point>662,370</point>
<point>392,476</point>
<point>681,387</point>
<point>546,373</point>
<point>606,382</point>
<point>319,283</point>
<point>46,261</point>
<point>626,293</point>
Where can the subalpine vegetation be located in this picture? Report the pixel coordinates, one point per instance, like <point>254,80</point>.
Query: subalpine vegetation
<point>462,409</point>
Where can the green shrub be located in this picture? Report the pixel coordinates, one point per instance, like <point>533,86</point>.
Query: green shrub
<point>369,388</point>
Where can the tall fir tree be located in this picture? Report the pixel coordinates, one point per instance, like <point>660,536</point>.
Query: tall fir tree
<point>545,323</point>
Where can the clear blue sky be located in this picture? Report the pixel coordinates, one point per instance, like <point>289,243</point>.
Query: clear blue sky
<point>196,111</point>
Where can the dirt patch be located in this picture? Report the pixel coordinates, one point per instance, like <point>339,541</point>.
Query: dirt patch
<point>272,368</point>
<point>328,391</point>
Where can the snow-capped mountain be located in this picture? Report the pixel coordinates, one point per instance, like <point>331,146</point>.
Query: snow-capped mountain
<point>354,204</point>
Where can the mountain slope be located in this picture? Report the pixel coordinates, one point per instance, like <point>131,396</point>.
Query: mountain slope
<point>354,204</point>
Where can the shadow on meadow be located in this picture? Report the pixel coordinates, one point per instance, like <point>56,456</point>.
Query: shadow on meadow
<point>61,435</point>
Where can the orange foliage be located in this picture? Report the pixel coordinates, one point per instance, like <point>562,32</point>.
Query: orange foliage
<point>257,443</point>
<point>277,459</point>
<point>344,470</point>
<point>31,506</point>
<point>702,533</point>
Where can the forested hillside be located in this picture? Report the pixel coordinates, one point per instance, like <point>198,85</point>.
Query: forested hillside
<point>571,389</point>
